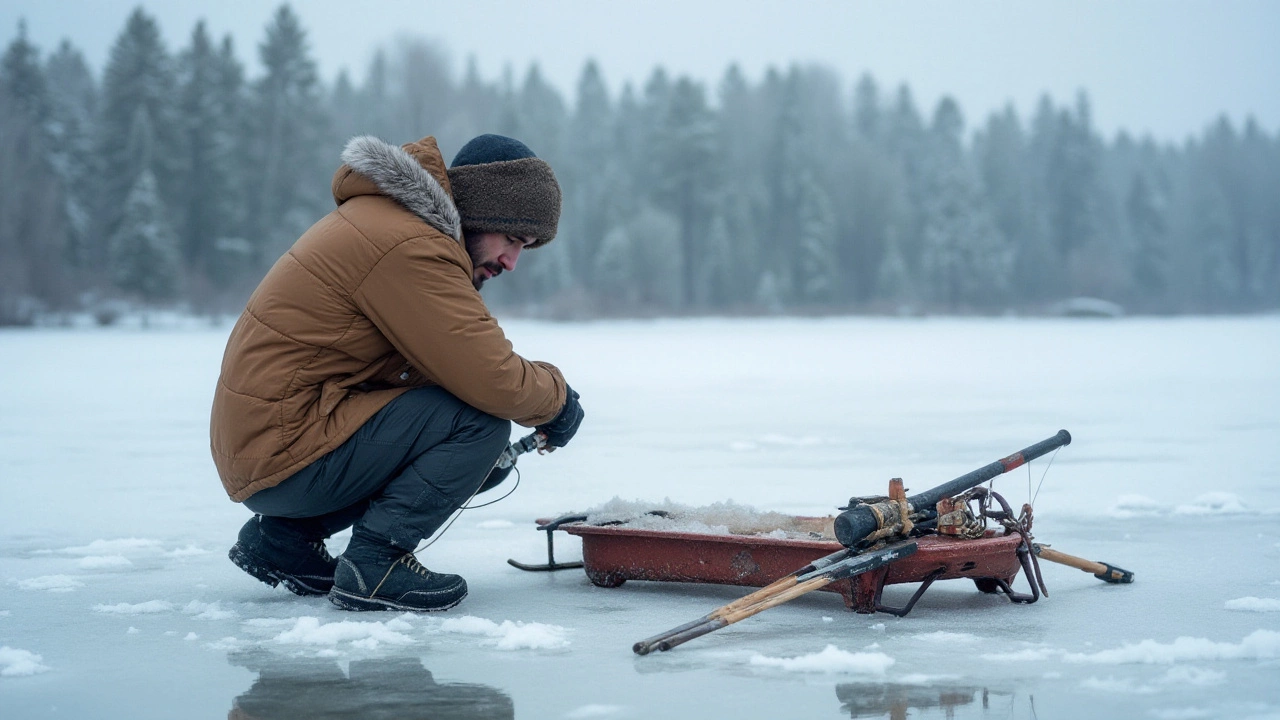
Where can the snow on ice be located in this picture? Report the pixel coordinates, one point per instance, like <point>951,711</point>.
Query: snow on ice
<point>97,562</point>
<point>149,607</point>
<point>52,583</point>
<point>1258,645</point>
<point>594,711</point>
<point>16,663</point>
<point>830,659</point>
<point>1253,604</point>
<point>361,634</point>
<point>508,635</point>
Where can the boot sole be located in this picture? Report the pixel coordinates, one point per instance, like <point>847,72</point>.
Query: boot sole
<point>347,601</point>
<point>270,575</point>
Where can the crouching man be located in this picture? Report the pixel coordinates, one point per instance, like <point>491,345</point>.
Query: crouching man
<point>366,383</point>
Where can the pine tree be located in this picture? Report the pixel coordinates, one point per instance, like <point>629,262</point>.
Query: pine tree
<point>894,282</point>
<point>687,184</point>
<point>421,90</point>
<point>73,96</point>
<point>33,228</point>
<point>867,115</point>
<point>817,247</point>
<point>589,175</point>
<point>1148,228</point>
<point>965,260</point>
<point>143,252</point>
<point>285,195</point>
<point>139,74</point>
<point>613,271</point>
<point>206,201</point>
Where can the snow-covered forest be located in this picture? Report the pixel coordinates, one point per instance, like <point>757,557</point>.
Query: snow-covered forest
<point>173,177</point>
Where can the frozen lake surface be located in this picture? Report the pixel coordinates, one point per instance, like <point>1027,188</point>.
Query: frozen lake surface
<point>117,600</point>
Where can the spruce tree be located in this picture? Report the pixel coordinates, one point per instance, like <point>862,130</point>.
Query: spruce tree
<point>687,182</point>
<point>286,193</point>
<point>143,252</point>
<point>589,176</point>
<point>33,228</point>
<point>206,203</point>
<point>73,96</point>
<point>819,274</point>
<point>139,74</point>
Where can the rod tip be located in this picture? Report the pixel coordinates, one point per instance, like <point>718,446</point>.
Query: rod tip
<point>1066,437</point>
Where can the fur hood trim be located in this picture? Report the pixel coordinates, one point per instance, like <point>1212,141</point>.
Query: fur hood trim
<point>404,180</point>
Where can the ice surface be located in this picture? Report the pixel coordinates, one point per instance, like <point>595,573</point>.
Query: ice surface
<point>1172,474</point>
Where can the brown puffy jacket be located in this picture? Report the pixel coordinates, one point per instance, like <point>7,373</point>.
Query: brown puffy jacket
<point>374,299</point>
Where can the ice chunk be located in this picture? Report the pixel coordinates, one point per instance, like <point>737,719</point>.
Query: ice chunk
<point>594,711</point>
<point>187,551</point>
<point>1253,604</point>
<point>207,611</point>
<point>144,608</point>
<point>112,547</point>
<point>96,562</point>
<point>310,631</point>
<point>1130,506</point>
<point>830,660</point>
<point>16,663</point>
<point>942,636</point>
<point>1214,503</point>
<point>1022,656</point>
<point>52,583</point>
<point>1258,645</point>
<point>494,524</point>
<point>1193,676</point>
<point>1112,684</point>
<point>509,635</point>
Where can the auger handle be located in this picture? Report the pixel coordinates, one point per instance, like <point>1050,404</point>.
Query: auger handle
<point>1103,571</point>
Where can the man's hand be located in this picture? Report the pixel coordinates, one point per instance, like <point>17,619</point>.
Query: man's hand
<point>564,426</point>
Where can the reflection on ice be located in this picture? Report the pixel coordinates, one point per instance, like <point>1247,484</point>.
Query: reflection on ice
<point>401,688</point>
<point>895,700</point>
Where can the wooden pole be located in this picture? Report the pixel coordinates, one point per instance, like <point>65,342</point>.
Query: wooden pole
<point>1102,571</point>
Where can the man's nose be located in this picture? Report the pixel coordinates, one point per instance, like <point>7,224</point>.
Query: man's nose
<point>508,259</point>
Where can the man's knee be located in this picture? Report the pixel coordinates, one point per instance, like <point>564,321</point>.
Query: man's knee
<point>481,427</point>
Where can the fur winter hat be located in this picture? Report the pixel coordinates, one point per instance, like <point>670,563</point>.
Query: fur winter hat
<point>499,185</point>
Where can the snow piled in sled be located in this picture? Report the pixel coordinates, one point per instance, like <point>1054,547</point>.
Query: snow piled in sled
<point>721,518</point>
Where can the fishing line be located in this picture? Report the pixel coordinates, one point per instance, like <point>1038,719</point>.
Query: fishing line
<point>458,513</point>
<point>1046,472</point>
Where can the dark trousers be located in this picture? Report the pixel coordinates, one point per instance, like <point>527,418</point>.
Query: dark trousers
<point>400,476</point>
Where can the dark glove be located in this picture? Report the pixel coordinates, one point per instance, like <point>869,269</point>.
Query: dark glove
<point>496,476</point>
<point>564,426</point>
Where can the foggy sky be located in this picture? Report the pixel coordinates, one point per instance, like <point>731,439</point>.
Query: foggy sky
<point>1150,66</point>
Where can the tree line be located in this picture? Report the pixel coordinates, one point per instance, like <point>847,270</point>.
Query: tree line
<point>177,179</point>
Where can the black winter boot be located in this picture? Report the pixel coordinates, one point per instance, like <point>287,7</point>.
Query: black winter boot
<point>278,550</point>
<point>373,574</point>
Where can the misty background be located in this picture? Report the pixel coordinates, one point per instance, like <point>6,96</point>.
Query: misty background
<point>171,174</point>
